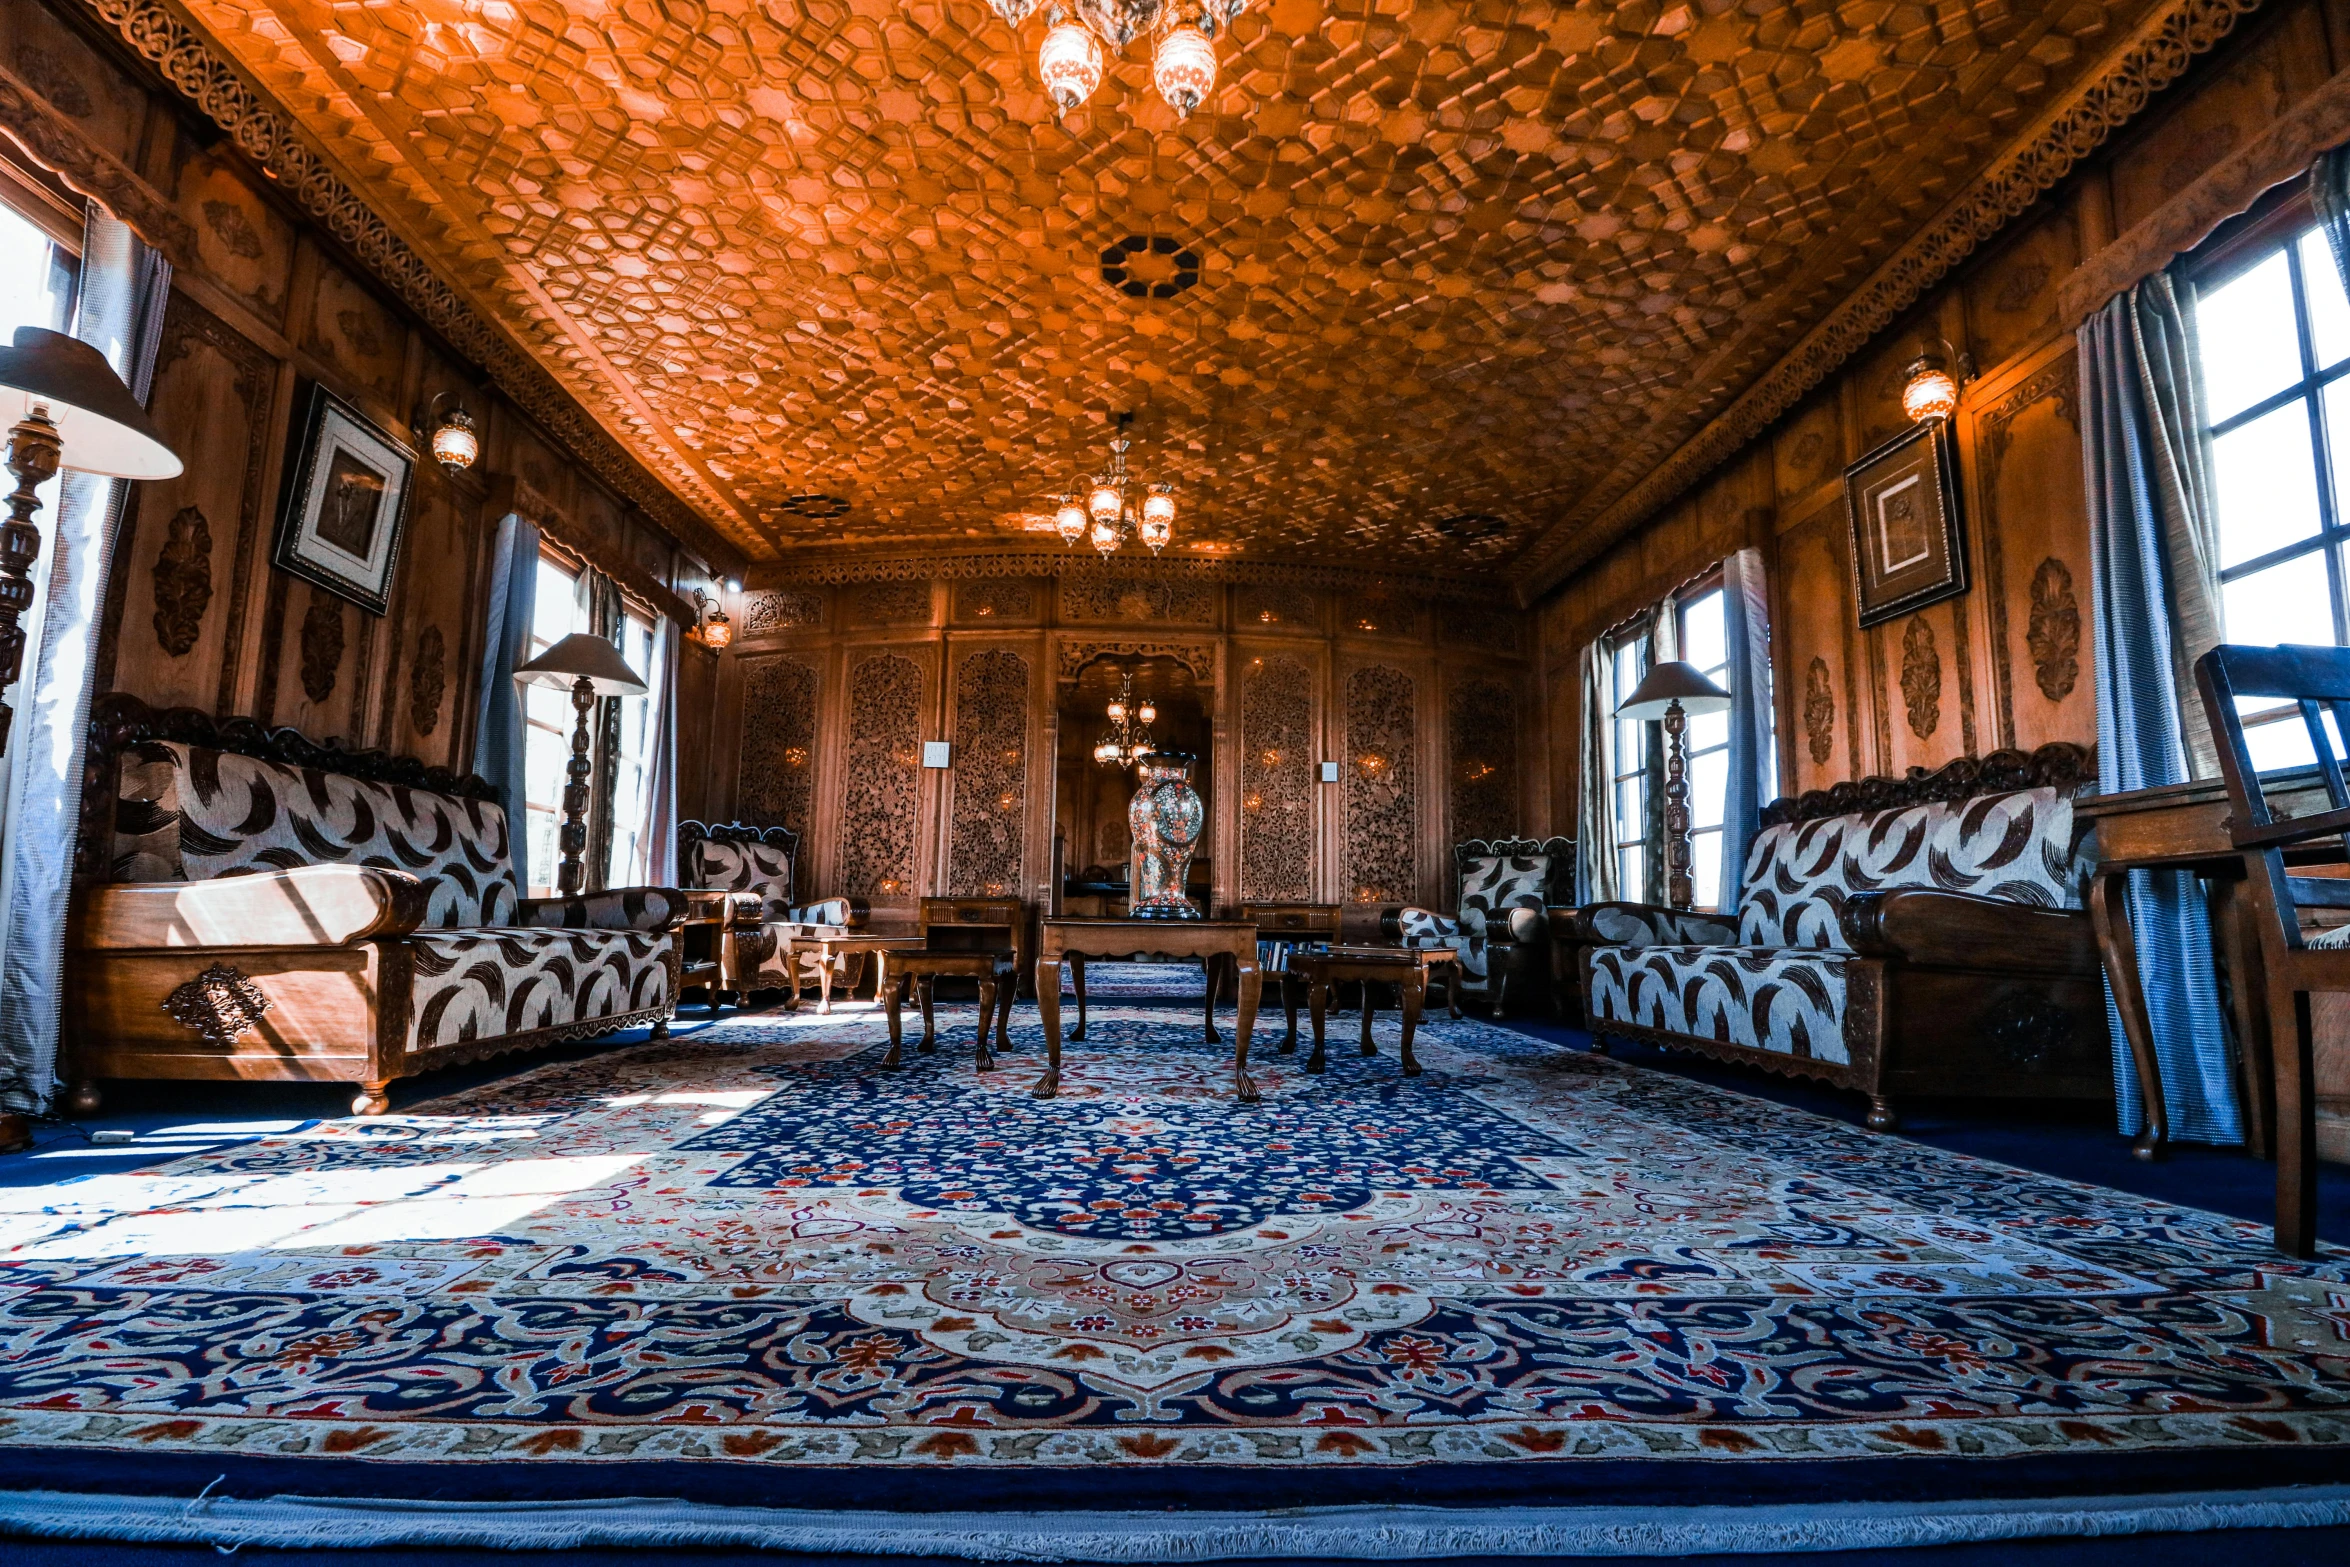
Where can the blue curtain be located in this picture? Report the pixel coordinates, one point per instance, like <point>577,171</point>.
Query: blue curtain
<point>2149,579</point>
<point>125,289</point>
<point>498,736</point>
<point>1754,762</point>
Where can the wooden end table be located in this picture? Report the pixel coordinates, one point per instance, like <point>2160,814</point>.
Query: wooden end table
<point>827,947</point>
<point>1407,968</point>
<point>1229,943</point>
<point>998,977</point>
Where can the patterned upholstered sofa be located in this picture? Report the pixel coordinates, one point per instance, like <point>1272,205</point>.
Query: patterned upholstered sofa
<point>1502,929</point>
<point>254,904</point>
<point>760,865</point>
<point>1914,936</point>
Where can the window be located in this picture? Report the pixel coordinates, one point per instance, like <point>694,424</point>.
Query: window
<point>2273,342</point>
<point>1705,643</point>
<point>547,724</point>
<point>1627,664</point>
<point>632,796</point>
<point>37,277</point>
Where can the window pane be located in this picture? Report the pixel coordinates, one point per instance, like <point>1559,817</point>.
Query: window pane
<point>554,608</point>
<point>1631,746</point>
<point>2267,485</point>
<point>2287,603</point>
<point>1709,788</point>
<point>1633,866</point>
<point>1701,632</point>
<point>2250,346</point>
<point>1707,730</point>
<point>2282,742</point>
<point>2329,313</point>
<point>2337,437</point>
<point>1705,869</point>
<point>1630,816</point>
<point>32,284</point>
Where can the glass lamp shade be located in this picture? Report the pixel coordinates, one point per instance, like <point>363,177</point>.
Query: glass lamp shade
<point>1930,392</point>
<point>1105,503</point>
<point>1106,536</point>
<point>1159,505</point>
<point>1107,751</point>
<point>1155,532</point>
<point>1116,711</point>
<point>456,444</point>
<point>1147,713</point>
<point>583,656</point>
<point>101,428</point>
<point>1069,522</point>
<point>717,631</point>
<point>1184,68</point>
<point>1069,65</point>
<point>1673,683</point>
<point>1014,12</point>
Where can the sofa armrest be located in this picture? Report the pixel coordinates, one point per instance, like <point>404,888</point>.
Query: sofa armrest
<point>308,906</point>
<point>619,908</point>
<point>1967,931</point>
<point>1650,925</point>
<point>742,910</point>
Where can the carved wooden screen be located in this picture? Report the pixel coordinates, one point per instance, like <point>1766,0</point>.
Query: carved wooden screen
<point>1481,747</point>
<point>1382,787</point>
<point>881,779</point>
<point>990,775</point>
<point>1276,779</point>
<point>775,780</point>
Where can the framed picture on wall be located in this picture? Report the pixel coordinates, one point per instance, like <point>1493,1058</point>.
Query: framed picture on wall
<point>1908,545</point>
<point>347,503</point>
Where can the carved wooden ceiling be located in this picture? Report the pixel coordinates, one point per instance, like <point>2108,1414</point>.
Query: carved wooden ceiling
<point>1465,272</point>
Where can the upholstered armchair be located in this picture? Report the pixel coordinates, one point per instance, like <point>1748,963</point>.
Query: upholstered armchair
<point>768,938</point>
<point>1502,929</point>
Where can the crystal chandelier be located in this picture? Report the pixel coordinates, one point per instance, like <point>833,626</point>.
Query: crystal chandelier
<point>1183,62</point>
<point>1128,739</point>
<point>1104,515</point>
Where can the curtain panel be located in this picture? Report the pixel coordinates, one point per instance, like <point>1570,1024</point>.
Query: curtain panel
<point>658,867</point>
<point>125,290</point>
<point>2151,556</point>
<point>1595,774</point>
<point>498,744</point>
<point>1754,760</point>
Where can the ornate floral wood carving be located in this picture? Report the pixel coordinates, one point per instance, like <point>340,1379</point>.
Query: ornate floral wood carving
<point>1481,741</point>
<point>322,646</point>
<point>1198,657</point>
<point>2058,765</point>
<point>1261,604</point>
<point>1486,625</point>
<point>2054,632</point>
<point>1921,678</point>
<point>1383,612</point>
<point>1277,779</point>
<point>775,780</point>
<point>880,778</point>
<point>782,609</point>
<point>1819,712</point>
<point>1382,786</point>
<point>428,680</point>
<point>988,825</point>
<point>218,1004</point>
<point>996,598</point>
<point>1140,600</point>
<point>183,582</point>
<point>889,604</point>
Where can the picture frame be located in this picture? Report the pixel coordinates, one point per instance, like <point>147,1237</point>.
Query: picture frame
<point>345,509</point>
<point>1908,533</point>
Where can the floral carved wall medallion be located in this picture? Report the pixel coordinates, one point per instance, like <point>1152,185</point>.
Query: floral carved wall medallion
<point>183,582</point>
<point>218,1004</point>
<point>1819,712</point>
<point>2054,633</point>
<point>322,646</point>
<point>428,681</point>
<point>1921,678</point>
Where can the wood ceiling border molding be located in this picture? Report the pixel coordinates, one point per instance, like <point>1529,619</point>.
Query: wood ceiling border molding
<point>2160,51</point>
<point>796,572</point>
<point>197,71</point>
<point>56,144</point>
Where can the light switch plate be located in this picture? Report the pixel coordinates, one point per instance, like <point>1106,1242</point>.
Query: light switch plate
<point>1329,772</point>
<point>937,753</point>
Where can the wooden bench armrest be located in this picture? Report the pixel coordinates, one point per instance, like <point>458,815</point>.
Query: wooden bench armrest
<point>1967,931</point>
<point>310,906</point>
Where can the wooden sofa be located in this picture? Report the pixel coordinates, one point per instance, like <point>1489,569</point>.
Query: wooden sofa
<point>1898,936</point>
<point>250,903</point>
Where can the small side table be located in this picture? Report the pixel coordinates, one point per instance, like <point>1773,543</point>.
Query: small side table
<point>1406,968</point>
<point>998,974</point>
<point>826,949</point>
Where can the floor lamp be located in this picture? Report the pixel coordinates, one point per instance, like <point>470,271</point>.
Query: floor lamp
<point>1675,692</point>
<point>69,410</point>
<point>588,667</point>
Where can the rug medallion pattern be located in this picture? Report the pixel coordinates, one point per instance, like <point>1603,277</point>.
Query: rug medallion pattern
<point>748,1243</point>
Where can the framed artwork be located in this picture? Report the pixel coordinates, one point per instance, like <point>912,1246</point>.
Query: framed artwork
<point>347,506</point>
<point>1908,545</point>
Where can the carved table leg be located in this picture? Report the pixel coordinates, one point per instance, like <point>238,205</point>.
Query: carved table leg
<point>1077,978</point>
<point>2289,1031</point>
<point>1369,1006</point>
<point>1213,966</point>
<point>2117,949</point>
<point>824,987</point>
<point>83,1098</point>
<point>1251,982</point>
<point>16,1133</point>
<point>1048,1012</point>
<point>1318,1013</point>
<point>1452,988</point>
<point>372,1099</point>
<point>1415,996</point>
<point>1882,1117</point>
<point>1289,986</point>
<point>987,988</point>
<point>1003,1015</point>
<point>928,985</point>
<point>892,1005</point>
<point>2239,946</point>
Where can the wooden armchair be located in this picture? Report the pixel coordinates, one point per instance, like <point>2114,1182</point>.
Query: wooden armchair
<point>2294,963</point>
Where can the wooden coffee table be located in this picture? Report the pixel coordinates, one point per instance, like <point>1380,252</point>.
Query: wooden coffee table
<point>1405,967</point>
<point>998,977</point>
<point>829,947</point>
<point>1231,944</point>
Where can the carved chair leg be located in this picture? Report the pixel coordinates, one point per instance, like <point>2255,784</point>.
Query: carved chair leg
<point>83,1098</point>
<point>2291,1046</point>
<point>1881,1114</point>
<point>373,1098</point>
<point>660,1028</point>
<point>16,1133</point>
<point>927,984</point>
<point>984,1061</point>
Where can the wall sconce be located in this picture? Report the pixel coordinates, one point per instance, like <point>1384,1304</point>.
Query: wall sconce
<point>711,627</point>
<point>1929,387</point>
<point>455,442</point>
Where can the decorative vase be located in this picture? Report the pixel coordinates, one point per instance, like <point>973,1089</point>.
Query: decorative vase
<point>1165,818</point>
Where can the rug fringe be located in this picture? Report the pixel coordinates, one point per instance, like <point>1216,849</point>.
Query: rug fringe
<point>1345,1533</point>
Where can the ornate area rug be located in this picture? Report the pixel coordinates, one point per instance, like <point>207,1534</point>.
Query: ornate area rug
<point>745,1265</point>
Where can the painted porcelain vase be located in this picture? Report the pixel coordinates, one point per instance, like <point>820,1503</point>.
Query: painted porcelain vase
<point>1165,819</point>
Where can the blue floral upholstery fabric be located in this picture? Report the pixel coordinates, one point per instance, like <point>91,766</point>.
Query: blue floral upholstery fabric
<point>763,868</point>
<point>183,813</point>
<point>482,984</point>
<point>1786,1000</point>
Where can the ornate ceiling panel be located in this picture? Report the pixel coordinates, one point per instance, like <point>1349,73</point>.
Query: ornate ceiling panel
<point>1461,272</point>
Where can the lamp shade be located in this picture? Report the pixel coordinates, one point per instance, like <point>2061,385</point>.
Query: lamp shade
<point>101,428</point>
<point>1674,682</point>
<point>581,656</point>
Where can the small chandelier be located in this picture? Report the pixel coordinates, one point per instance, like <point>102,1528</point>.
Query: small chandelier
<point>1183,62</point>
<point>1129,737</point>
<point>1105,519</point>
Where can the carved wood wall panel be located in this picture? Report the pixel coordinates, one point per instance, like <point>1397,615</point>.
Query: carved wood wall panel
<point>2028,446</point>
<point>1381,769</point>
<point>997,599</point>
<point>1277,786</point>
<point>994,691</point>
<point>888,604</point>
<point>1259,604</point>
<point>881,778</point>
<point>781,609</point>
<point>1139,600</point>
<point>775,779</point>
<point>1481,748</point>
